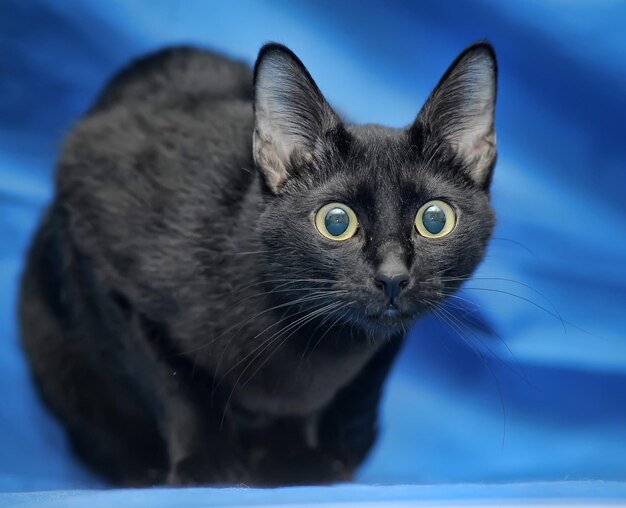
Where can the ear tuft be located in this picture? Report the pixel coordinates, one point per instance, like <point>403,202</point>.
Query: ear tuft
<point>461,111</point>
<point>291,114</point>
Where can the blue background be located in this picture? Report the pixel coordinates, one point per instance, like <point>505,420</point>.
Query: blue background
<point>529,382</point>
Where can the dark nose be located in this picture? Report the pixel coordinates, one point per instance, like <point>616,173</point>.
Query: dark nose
<point>392,283</point>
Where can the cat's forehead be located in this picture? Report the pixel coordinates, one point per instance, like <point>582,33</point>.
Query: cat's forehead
<point>384,161</point>
<point>388,179</point>
<point>373,132</point>
<point>378,145</point>
<point>378,151</point>
<point>381,167</point>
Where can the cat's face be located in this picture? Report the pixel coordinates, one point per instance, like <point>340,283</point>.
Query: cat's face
<point>366,224</point>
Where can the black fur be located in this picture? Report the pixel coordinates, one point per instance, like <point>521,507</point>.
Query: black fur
<point>184,318</point>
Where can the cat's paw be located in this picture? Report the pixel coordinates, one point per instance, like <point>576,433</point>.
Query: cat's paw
<point>302,467</point>
<point>198,470</point>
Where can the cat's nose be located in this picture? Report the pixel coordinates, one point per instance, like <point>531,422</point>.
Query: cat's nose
<point>392,282</point>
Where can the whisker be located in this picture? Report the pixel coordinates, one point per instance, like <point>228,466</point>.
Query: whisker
<point>528,300</point>
<point>513,281</point>
<point>483,360</point>
<point>319,341</point>
<point>304,321</point>
<point>286,282</point>
<point>309,298</point>
<point>293,290</point>
<point>519,244</point>
<point>273,336</point>
<point>466,300</point>
<point>258,314</point>
<point>267,343</point>
<point>320,324</point>
<point>519,371</point>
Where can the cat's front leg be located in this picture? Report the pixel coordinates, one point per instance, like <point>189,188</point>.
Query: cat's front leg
<point>200,440</point>
<point>327,446</point>
<point>288,452</point>
<point>200,452</point>
<point>348,427</point>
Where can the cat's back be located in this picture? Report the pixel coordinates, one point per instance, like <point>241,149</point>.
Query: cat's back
<point>176,115</point>
<point>169,127</point>
<point>146,177</point>
<point>177,72</point>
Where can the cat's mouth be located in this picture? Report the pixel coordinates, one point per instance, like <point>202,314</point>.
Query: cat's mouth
<point>390,317</point>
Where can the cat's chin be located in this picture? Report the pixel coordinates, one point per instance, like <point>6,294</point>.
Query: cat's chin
<point>387,323</point>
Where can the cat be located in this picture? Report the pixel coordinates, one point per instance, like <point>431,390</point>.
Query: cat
<point>227,270</point>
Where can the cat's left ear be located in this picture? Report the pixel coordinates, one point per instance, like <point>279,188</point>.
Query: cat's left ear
<point>291,115</point>
<point>460,112</point>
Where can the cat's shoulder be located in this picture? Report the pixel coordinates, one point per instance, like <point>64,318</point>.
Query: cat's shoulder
<point>174,73</point>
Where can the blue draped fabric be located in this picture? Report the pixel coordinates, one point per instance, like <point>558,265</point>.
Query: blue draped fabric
<point>521,378</point>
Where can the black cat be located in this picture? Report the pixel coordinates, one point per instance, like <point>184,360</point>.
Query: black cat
<point>228,269</point>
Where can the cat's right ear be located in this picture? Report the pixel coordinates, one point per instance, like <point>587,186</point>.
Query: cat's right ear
<point>459,114</point>
<point>291,115</point>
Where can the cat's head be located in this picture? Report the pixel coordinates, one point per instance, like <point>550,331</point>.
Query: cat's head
<point>367,224</point>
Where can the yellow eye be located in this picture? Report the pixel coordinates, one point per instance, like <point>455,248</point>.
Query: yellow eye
<point>435,219</point>
<point>336,221</point>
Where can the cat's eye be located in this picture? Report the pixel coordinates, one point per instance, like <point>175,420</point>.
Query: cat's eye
<point>336,221</point>
<point>435,219</point>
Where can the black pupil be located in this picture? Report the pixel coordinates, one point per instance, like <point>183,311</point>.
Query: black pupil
<point>434,219</point>
<point>336,221</point>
